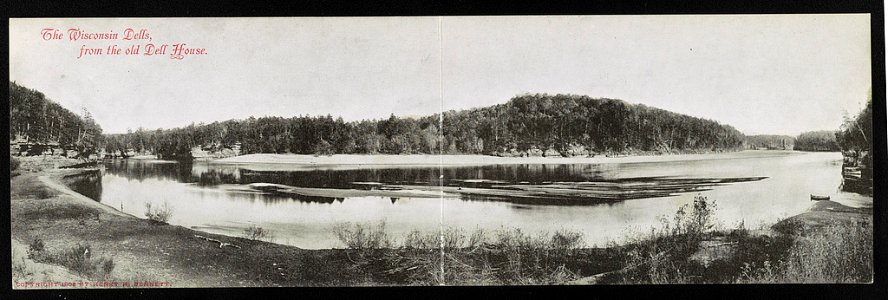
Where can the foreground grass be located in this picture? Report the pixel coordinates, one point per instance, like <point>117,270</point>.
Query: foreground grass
<point>684,249</point>
<point>460,257</point>
<point>839,251</point>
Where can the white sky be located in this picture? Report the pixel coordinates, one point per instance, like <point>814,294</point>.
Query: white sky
<point>764,74</point>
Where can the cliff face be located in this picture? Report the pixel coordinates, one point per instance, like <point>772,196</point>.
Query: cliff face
<point>214,152</point>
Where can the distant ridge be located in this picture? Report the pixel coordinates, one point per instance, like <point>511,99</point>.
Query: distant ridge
<point>527,125</point>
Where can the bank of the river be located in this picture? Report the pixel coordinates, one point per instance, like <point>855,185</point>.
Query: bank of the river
<point>827,213</point>
<point>299,161</point>
<point>43,208</point>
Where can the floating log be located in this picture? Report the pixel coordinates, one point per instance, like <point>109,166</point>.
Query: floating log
<point>221,243</point>
<point>819,198</point>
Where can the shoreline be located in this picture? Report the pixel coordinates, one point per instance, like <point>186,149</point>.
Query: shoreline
<point>420,160</point>
<point>148,251</point>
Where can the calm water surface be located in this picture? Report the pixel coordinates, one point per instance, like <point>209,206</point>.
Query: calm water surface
<point>191,189</point>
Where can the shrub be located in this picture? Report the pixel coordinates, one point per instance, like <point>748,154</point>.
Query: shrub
<point>257,233</point>
<point>790,226</point>
<point>160,214</point>
<point>661,256</point>
<point>567,240</point>
<point>14,163</point>
<point>43,193</point>
<point>363,236</point>
<point>108,266</point>
<point>417,240</point>
<point>36,250</point>
<point>452,238</point>
<point>77,258</point>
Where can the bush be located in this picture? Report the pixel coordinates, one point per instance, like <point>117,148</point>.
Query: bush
<point>14,163</point>
<point>44,193</point>
<point>256,233</point>
<point>79,259</point>
<point>417,240</point>
<point>363,236</point>
<point>36,250</point>
<point>453,239</point>
<point>108,266</point>
<point>567,240</point>
<point>661,256</point>
<point>160,214</point>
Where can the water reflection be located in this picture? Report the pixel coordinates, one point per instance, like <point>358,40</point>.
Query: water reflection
<point>86,183</point>
<point>196,192</point>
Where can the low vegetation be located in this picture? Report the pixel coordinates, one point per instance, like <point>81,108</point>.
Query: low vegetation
<point>257,233</point>
<point>837,253</point>
<point>360,236</point>
<point>14,166</point>
<point>456,256</point>
<point>78,258</point>
<point>686,248</point>
<point>159,214</point>
<point>33,189</point>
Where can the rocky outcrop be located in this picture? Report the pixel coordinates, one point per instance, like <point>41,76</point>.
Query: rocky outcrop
<point>569,151</point>
<point>214,152</point>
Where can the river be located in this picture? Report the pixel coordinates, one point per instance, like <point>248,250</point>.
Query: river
<point>193,191</point>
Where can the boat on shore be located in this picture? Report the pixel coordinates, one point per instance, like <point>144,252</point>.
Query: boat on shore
<point>819,198</point>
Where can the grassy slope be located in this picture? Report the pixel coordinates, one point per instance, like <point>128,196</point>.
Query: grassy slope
<point>145,251</point>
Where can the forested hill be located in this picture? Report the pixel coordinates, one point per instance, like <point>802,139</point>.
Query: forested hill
<point>537,124</point>
<point>571,123</point>
<point>771,142</point>
<point>36,120</point>
<point>824,140</point>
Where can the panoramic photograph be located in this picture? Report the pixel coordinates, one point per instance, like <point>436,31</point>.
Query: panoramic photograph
<point>426,151</point>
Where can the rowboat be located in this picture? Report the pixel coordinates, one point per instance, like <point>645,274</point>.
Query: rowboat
<point>819,198</point>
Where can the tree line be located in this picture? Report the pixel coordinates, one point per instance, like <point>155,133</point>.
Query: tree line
<point>527,124</point>
<point>35,119</point>
<point>770,142</point>
<point>855,134</point>
<point>824,140</point>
